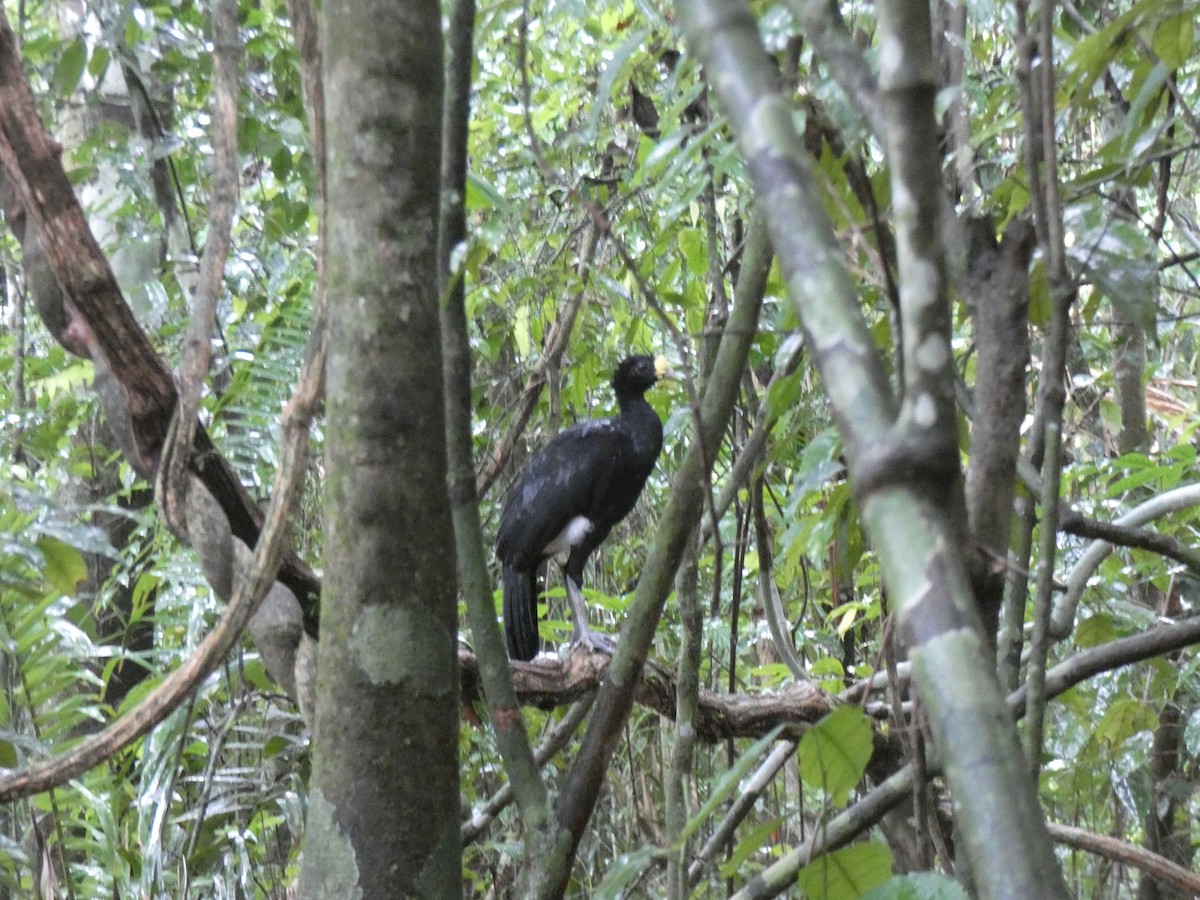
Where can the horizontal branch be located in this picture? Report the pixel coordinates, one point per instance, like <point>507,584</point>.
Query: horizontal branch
<point>548,684</point>
<point>1158,867</point>
<point>1072,522</point>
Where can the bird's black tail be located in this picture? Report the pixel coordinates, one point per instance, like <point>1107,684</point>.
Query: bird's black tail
<point>520,613</point>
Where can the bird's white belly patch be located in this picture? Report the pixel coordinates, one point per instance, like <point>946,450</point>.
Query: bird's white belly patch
<point>572,534</point>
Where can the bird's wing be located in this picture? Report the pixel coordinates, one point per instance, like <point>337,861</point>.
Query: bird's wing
<point>561,482</point>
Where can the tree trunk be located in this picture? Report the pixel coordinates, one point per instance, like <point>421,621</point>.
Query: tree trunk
<point>383,816</point>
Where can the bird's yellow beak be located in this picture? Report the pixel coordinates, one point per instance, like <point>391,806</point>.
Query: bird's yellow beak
<point>662,368</point>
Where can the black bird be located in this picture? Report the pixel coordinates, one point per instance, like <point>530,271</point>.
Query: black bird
<point>566,501</point>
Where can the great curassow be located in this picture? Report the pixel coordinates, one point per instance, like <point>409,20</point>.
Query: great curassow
<point>568,498</point>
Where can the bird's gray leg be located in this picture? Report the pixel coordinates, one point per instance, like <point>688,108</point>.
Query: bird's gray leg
<point>591,640</point>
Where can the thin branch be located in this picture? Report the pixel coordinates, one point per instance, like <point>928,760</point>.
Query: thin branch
<point>677,780</point>
<point>307,34</point>
<point>768,590</point>
<point>1157,641</point>
<point>753,788</point>
<point>196,354</point>
<point>555,741</point>
<point>1051,395</point>
<point>824,26</point>
<point>551,356</point>
<point>1085,567</point>
<point>512,739</point>
<point>1073,522</point>
<point>752,451</point>
<point>1161,869</point>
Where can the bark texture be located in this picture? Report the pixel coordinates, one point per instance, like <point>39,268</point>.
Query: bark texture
<point>999,302</point>
<point>383,815</point>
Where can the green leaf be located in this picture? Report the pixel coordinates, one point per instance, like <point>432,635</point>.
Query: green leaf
<point>691,242</point>
<point>748,845</point>
<point>1150,90</point>
<point>482,195</point>
<point>833,754</point>
<point>785,393</point>
<point>1039,295</point>
<point>98,64</point>
<point>65,567</point>
<point>1191,733</point>
<point>1095,630</point>
<point>521,331</point>
<point>660,153</point>
<point>1117,257</point>
<point>65,379</point>
<point>922,886</point>
<point>1124,717</point>
<point>847,873</point>
<point>622,874</point>
<point>1175,39</point>
<point>70,67</point>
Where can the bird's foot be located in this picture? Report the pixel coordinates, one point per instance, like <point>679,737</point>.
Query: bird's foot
<point>592,641</point>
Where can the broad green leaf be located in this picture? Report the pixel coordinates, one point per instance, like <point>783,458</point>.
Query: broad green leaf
<point>1039,295</point>
<point>691,242</point>
<point>847,873</point>
<point>70,67</point>
<point>1150,89</point>
<point>660,152</point>
<point>65,567</point>
<point>847,615</point>
<point>785,393</point>
<point>1175,39</point>
<point>829,671</point>
<point>921,886</point>
<point>521,331</point>
<point>1095,630</point>
<point>622,874</point>
<point>98,64</point>
<point>833,754</point>
<point>1124,717</point>
<point>482,195</point>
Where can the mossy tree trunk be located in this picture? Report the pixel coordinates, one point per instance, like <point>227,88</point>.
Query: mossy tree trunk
<point>383,818</point>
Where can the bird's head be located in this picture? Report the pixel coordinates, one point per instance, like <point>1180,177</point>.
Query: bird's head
<point>637,374</point>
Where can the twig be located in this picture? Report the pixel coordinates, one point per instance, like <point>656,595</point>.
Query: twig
<point>197,344</point>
